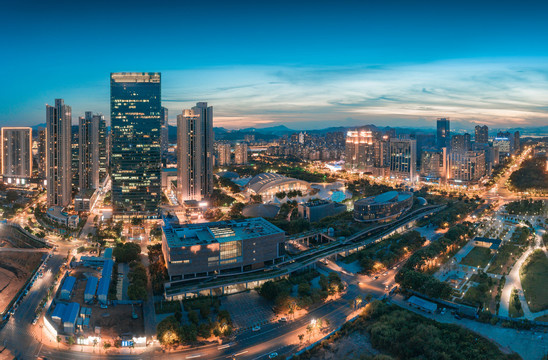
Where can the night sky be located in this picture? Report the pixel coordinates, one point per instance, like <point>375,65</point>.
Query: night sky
<point>310,64</point>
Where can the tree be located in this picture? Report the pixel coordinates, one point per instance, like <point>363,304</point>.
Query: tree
<point>301,336</point>
<point>58,341</point>
<point>126,252</point>
<point>11,196</point>
<point>71,340</point>
<point>167,332</point>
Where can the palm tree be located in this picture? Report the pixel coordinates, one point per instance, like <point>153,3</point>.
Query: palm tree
<point>301,336</point>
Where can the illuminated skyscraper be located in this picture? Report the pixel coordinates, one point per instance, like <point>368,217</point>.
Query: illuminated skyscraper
<point>16,155</point>
<point>42,152</point>
<point>195,153</point>
<point>444,133</point>
<point>135,108</point>
<point>59,120</point>
<point>165,131</point>
<point>103,150</point>
<point>88,150</point>
<point>403,158</point>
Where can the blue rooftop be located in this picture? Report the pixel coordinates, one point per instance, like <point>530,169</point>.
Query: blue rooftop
<point>71,312</point>
<point>91,285</point>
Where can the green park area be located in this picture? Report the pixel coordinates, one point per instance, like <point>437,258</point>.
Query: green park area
<point>478,257</point>
<point>534,278</point>
<point>505,258</point>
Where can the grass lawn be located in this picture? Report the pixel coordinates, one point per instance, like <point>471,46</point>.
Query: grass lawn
<point>505,258</point>
<point>479,256</point>
<point>534,278</point>
<point>515,310</point>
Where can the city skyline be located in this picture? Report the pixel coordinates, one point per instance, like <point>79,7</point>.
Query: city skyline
<point>357,70</point>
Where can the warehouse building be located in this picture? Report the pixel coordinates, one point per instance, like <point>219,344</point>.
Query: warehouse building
<point>66,289</point>
<point>104,283</point>
<point>70,316</point>
<point>91,288</point>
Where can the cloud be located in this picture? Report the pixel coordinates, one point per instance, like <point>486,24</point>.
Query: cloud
<point>496,92</point>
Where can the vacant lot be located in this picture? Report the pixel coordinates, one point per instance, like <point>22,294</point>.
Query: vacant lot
<point>15,269</point>
<point>534,278</point>
<point>116,321</point>
<point>478,257</point>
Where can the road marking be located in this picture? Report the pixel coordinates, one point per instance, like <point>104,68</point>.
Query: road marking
<point>241,353</point>
<point>193,356</point>
<point>223,346</point>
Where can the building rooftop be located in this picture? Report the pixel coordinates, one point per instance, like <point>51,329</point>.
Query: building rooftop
<point>71,313</point>
<point>217,232</point>
<point>266,180</point>
<point>68,284</point>
<point>91,285</point>
<point>387,197</point>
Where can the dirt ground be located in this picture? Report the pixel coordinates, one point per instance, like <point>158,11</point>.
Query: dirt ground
<point>116,320</point>
<point>15,269</point>
<point>346,348</point>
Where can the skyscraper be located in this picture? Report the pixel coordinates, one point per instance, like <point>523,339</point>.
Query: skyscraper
<point>208,139</point>
<point>16,155</point>
<point>103,150</point>
<point>403,158</point>
<point>42,152</point>
<point>165,131</point>
<point>88,151</point>
<point>482,134</point>
<point>461,143</point>
<point>444,133</point>
<point>195,153</point>
<point>58,120</point>
<point>135,108</point>
<point>240,154</point>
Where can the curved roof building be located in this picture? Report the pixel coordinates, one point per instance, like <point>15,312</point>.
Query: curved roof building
<point>271,183</point>
<point>383,207</point>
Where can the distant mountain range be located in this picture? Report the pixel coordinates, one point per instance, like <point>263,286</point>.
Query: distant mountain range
<point>273,132</point>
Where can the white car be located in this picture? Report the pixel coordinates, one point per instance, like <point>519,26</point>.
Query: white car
<point>283,319</point>
<point>273,355</point>
<point>256,328</point>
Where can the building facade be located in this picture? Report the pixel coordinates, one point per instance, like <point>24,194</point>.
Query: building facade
<point>103,150</point>
<point>194,251</point>
<point>461,143</point>
<point>135,106</point>
<point>481,134</point>
<point>443,133</point>
<point>88,150</point>
<point>223,154</point>
<point>433,164</point>
<point>16,155</point>
<point>403,159</point>
<point>195,153</point>
<point>59,120</point>
<point>42,152</point>
<point>468,167</point>
<point>240,153</point>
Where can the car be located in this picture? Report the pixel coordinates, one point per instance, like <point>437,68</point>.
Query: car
<point>384,273</point>
<point>273,355</point>
<point>104,306</point>
<point>35,321</point>
<point>443,311</point>
<point>256,328</point>
<point>283,319</point>
<point>458,317</point>
<point>376,277</point>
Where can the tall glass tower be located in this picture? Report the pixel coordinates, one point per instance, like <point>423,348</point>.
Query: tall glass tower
<point>135,113</point>
<point>444,133</point>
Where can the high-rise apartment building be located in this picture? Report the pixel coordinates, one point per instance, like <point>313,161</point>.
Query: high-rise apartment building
<point>461,143</point>
<point>135,113</point>
<point>42,152</point>
<point>16,155</point>
<point>103,150</point>
<point>195,153</point>
<point>58,120</point>
<point>240,153</point>
<point>443,133</point>
<point>165,131</point>
<point>75,157</point>
<point>403,159</point>
<point>467,167</point>
<point>481,134</point>
<point>88,151</point>
<point>223,154</point>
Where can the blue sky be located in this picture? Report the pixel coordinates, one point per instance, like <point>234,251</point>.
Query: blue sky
<point>307,64</point>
